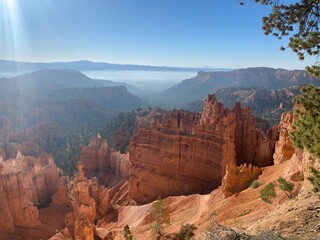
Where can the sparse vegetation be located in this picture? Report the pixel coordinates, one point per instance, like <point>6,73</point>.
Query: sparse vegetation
<point>161,215</point>
<point>117,130</point>
<point>127,233</point>
<point>285,186</point>
<point>255,184</point>
<point>315,180</point>
<point>306,127</point>
<point>268,192</point>
<point>187,232</point>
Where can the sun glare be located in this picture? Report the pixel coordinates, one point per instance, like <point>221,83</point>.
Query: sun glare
<point>10,24</point>
<point>8,7</point>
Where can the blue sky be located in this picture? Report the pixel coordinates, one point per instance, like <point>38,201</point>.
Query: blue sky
<point>191,33</point>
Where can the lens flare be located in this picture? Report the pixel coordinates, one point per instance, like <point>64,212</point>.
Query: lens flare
<point>10,26</point>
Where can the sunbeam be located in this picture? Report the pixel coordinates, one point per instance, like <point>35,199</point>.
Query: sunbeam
<point>11,27</point>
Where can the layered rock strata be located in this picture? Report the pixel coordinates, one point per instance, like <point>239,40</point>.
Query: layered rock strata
<point>284,148</point>
<point>179,152</point>
<point>25,184</point>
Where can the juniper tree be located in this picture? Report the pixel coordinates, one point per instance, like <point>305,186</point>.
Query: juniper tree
<point>161,215</point>
<point>268,192</point>
<point>285,186</point>
<point>186,232</point>
<point>127,233</point>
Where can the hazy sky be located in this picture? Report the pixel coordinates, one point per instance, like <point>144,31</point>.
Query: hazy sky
<point>198,33</point>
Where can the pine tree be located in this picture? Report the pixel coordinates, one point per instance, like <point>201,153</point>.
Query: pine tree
<point>127,233</point>
<point>299,22</point>
<point>306,127</point>
<point>160,213</point>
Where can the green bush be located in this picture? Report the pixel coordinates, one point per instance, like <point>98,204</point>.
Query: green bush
<point>315,179</point>
<point>268,192</point>
<point>285,186</point>
<point>186,232</point>
<point>255,184</point>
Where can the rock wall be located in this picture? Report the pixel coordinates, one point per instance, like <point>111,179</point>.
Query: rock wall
<point>25,183</point>
<point>284,148</point>
<point>104,163</point>
<point>300,159</point>
<point>239,178</point>
<point>179,152</point>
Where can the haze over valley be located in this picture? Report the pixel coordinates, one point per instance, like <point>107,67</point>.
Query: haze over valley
<point>159,120</point>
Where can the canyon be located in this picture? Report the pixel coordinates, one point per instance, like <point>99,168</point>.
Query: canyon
<point>197,147</point>
<point>27,185</point>
<point>201,164</point>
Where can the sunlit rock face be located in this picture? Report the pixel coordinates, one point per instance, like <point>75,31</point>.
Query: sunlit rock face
<point>284,148</point>
<point>179,152</point>
<point>90,202</point>
<point>238,178</point>
<point>25,184</point>
<point>300,160</point>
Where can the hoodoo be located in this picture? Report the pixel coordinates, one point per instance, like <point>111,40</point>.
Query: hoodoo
<point>180,152</point>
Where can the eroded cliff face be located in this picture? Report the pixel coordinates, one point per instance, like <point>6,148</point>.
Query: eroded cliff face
<point>284,148</point>
<point>104,163</point>
<point>179,152</point>
<point>238,178</point>
<point>90,202</point>
<point>25,183</point>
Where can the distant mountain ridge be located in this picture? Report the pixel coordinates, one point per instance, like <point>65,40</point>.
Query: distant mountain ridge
<point>61,95</point>
<point>14,66</point>
<point>58,79</point>
<point>260,77</point>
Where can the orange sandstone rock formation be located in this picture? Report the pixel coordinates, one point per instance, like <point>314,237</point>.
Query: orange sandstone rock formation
<point>81,221</point>
<point>91,202</point>
<point>178,152</point>
<point>238,178</point>
<point>104,163</point>
<point>25,183</point>
<point>284,148</point>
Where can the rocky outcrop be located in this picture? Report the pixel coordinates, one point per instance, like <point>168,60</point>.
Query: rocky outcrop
<point>179,152</point>
<point>81,221</point>
<point>300,159</point>
<point>90,202</point>
<point>25,183</point>
<point>284,148</point>
<point>60,197</point>
<point>238,178</point>
<point>104,163</point>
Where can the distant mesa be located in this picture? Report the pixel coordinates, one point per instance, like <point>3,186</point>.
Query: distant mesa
<point>261,77</point>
